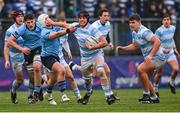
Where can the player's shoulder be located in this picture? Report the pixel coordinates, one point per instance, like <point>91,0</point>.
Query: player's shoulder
<point>172,27</point>
<point>12,28</point>
<point>144,29</point>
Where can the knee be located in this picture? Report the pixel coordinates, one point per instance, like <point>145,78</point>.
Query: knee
<point>37,67</point>
<point>20,81</point>
<point>100,72</point>
<point>140,69</point>
<point>176,70</point>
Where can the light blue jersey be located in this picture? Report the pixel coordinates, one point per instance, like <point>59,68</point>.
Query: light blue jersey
<point>15,54</point>
<point>166,37</point>
<point>104,28</point>
<point>81,34</point>
<point>143,40</point>
<point>32,38</point>
<point>50,46</point>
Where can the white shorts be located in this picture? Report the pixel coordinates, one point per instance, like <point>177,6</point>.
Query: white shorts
<point>158,62</point>
<point>87,62</point>
<point>17,66</point>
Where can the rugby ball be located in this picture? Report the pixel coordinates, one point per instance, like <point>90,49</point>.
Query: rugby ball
<point>92,40</point>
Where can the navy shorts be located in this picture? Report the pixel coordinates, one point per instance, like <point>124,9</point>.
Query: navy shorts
<point>30,58</point>
<point>48,61</point>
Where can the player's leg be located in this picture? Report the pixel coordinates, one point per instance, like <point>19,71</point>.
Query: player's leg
<point>157,78</point>
<point>175,69</point>
<point>30,72</point>
<point>56,70</point>
<point>69,76</point>
<point>87,70</point>
<point>143,70</point>
<point>105,84</point>
<point>74,67</point>
<point>18,72</point>
<point>37,66</point>
<point>107,70</point>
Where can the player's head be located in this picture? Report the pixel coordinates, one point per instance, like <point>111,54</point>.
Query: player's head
<point>29,20</point>
<point>135,22</point>
<point>42,19</point>
<point>166,21</point>
<point>18,17</point>
<point>83,18</point>
<point>103,15</point>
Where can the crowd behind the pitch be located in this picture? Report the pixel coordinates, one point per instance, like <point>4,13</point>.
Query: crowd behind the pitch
<point>117,8</point>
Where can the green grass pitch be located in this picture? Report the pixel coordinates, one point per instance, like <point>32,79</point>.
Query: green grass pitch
<point>129,102</point>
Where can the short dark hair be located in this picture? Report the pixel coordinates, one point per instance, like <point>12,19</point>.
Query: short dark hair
<point>29,17</point>
<point>17,13</point>
<point>135,17</point>
<point>84,14</point>
<point>166,15</point>
<point>101,11</point>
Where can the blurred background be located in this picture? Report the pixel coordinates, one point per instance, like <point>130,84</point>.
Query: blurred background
<point>123,64</point>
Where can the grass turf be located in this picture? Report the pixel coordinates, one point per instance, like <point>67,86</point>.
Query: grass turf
<point>128,103</point>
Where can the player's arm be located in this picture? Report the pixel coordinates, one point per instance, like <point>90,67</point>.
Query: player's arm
<point>109,41</point>
<point>176,51</point>
<point>61,24</point>
<point>155,46</point>
<point>6,55</point>
<point>59,33</point>
<point>102,43</point>
<point>12,42</point>
<point>129,47</point>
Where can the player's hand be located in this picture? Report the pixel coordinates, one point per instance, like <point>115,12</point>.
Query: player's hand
<point>111,46</point>
<point>166,51</point>
<point>89,46</point>
<point>147,59</point>
<point>119,48</point>
<point>7,65</point>
<point>72,29</point>
<point>26,51</point>
<point>49,21</point>
<point>176,52</point>
<point>70,56</point>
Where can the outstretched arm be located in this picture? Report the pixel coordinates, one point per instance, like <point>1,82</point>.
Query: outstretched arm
<point>130,47</point>
<point>61,24</point>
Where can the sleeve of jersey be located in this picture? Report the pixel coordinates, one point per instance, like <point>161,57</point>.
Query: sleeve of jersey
<point>133,41</point>
<point>19,32</point>
<point>108,38</point>
<point>45,34</point>
<point>96,33</point>
<point>148,35</point>
<point>7,35</point>
<point>158,33</point>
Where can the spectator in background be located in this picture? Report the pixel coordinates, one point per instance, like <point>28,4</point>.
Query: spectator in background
<point>113,8</point>
<point>100,5</point>
<point>89,6</point>
<point>70,8</point>
<point>153,11</point>
<point>20,5</point>
<point>34,7</point>
<point>61,15</point>
<point>49,7</point>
